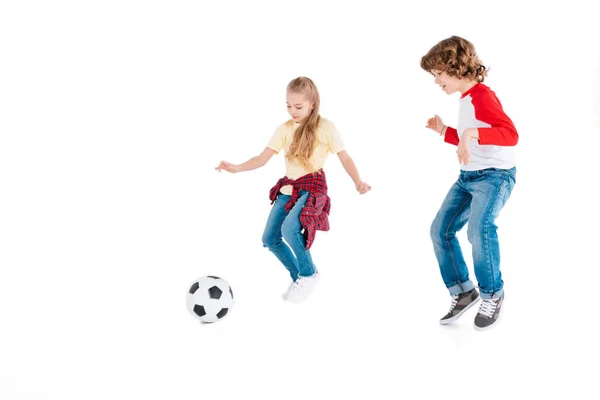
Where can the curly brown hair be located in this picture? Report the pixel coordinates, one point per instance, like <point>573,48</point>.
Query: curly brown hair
<point>457,57</point>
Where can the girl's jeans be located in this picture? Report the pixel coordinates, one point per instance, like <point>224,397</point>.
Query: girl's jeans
<point>283,225</point>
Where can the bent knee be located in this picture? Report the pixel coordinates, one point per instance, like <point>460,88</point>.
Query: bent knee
<point>290,230</point>
<point>475,233</point>
<point>436,231</point>
<point>270,239</point>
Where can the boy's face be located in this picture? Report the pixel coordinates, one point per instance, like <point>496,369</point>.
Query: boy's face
<point>449,84</point>
<point>298,106</point>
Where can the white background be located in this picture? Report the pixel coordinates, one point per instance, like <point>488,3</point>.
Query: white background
<point>113,116</point>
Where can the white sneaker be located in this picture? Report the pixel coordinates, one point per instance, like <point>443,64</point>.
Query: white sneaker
<point>287,292</point>
<point>300,289</point>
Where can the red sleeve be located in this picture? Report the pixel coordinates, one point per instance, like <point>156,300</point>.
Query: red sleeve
<point>489,110</point>
<point>451,136</point>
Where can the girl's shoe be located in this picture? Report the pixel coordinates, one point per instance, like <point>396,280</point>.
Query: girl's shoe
<point>300,289</point>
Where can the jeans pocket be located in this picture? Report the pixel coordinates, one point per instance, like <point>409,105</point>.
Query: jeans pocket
<point>508,183</point>
<point>510,176</point>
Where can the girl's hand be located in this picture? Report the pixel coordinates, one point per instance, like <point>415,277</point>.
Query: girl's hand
<point>227,166</point>
<point>362,187</point>
<point>436,124</point>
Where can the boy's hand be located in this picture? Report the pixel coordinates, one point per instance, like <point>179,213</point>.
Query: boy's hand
<point>463,153</point>
<point>227,166</point>
<point>363,187</point>
<point>436,124</point>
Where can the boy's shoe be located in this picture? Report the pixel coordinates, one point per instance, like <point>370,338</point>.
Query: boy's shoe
<point>300,289</point>
<point>488,313</point>
<point>459,304</point>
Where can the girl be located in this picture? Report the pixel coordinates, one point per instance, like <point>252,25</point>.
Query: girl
<point>484,137</point>
<point>300,201</point>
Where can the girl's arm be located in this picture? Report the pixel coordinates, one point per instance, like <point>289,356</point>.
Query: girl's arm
<point>253,163</point>
<point>351,169</point>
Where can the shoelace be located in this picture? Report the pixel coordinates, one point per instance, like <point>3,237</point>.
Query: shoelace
<point>488,307</point>
<point>453,302</point>
<point>297,285</point>
<point>300,282</point>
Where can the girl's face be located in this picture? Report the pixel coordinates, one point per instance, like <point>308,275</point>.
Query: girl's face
<point>298,106</point>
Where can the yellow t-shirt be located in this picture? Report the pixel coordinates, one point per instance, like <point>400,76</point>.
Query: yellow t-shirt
<point>328,141</point>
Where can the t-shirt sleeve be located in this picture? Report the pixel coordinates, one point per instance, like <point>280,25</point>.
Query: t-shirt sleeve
<point>334,140</point>
<point>277,141</point>
<point>451,136</point>
<point>502,131</point>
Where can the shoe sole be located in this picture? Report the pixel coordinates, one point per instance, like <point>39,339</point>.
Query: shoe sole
<point>457,316</point>
<point>485,328</point>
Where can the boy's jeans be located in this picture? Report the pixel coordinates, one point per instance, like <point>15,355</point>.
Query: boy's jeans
<point>280,225</point>
<point>477,198</point>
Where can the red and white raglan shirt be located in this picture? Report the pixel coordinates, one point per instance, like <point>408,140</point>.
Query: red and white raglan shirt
<point>481,109</point>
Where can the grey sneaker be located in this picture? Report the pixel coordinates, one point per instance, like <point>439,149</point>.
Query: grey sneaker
<point>489,311</point>
<point>459,304</point>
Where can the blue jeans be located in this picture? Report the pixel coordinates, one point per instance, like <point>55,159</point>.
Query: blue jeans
<point>477,198</point>
<point>284,225</point>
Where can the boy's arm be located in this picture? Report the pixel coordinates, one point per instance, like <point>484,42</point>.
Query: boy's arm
<point>450,135</point>
<point>502,131</point>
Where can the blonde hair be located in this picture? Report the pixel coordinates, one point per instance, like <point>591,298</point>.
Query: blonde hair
<point>305,136</point>
<point>457,57</point>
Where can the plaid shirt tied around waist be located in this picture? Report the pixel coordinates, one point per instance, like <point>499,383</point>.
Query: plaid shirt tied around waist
<point>315,214</point>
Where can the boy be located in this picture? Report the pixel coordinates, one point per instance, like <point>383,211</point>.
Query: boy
<point>484,137</point>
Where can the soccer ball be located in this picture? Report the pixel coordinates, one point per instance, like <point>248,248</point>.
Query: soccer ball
<point>209,298</point>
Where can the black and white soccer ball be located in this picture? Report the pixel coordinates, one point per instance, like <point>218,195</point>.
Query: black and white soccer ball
<point>209,298</point>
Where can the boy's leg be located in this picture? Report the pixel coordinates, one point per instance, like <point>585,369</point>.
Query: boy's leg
<point>451,217</point>
<point>272,236</point>
<point>490,192</point>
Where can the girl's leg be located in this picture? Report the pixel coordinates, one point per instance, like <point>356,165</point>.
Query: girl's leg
<point>292,233</point>
<point>272,236</point>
